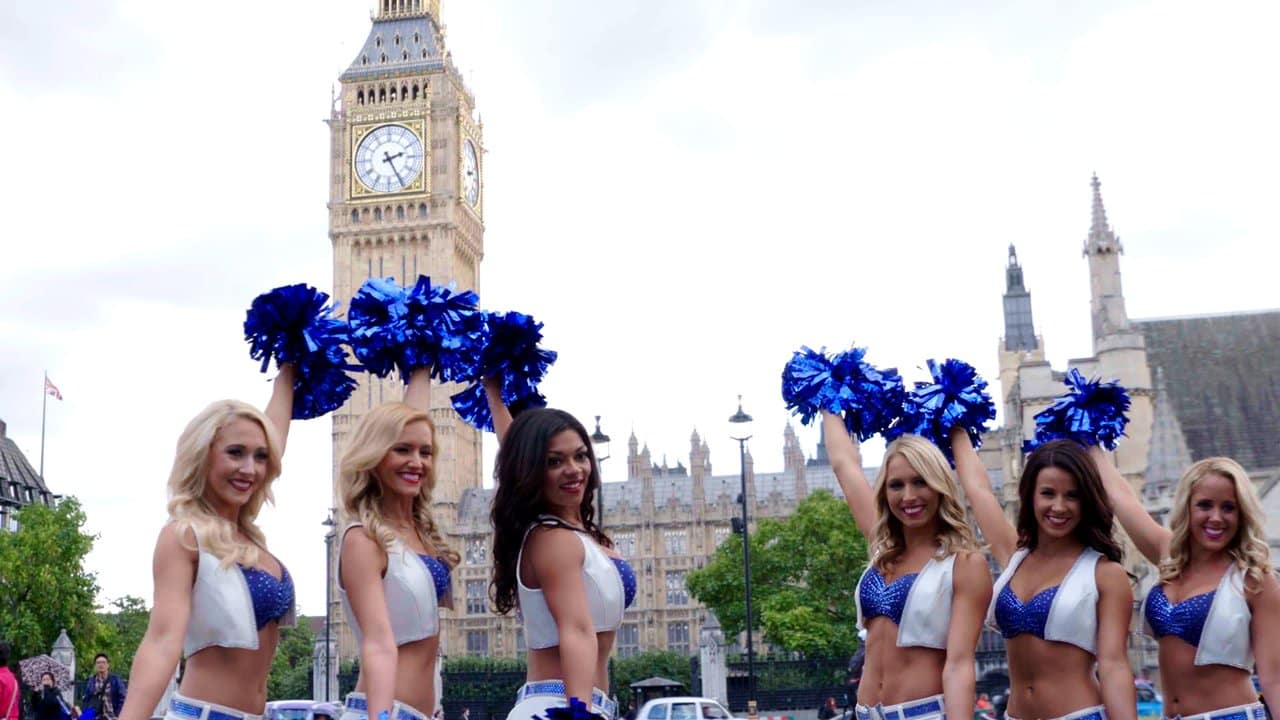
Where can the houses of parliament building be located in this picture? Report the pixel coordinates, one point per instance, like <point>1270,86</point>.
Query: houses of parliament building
<point>406,198</point>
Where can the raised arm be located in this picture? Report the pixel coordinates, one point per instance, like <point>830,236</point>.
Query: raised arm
<point>361,566</point>
<point>1265,633</point>
<point>280,408</point>
<point>1151,539</point>
<point>996,528</point>
<point>1115,607</point>
<point>417,394</point>
<point>557,556</point>
<point>173,568</point>
<point>497,408</point>
<point>846,462</point>
<point>971,594</point>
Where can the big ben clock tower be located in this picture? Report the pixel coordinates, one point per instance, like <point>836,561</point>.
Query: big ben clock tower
<point>406,199</point>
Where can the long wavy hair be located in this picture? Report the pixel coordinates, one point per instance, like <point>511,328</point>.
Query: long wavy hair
<point>520,474</point>
<point>1248,548</point>
<point>888,540</point>
<point>1097,523</point>
<point>189,482</point>
<point>361,491</point>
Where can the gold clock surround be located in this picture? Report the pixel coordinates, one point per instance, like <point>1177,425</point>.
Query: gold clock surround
<point>421,185</point>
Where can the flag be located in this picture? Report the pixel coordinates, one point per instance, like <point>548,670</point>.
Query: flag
<point>51,389</point>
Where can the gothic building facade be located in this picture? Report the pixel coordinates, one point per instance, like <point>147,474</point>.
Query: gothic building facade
<point>20,483</point>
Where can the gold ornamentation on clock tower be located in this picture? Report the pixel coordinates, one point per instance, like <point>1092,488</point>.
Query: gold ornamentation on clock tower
<point>406,199</point>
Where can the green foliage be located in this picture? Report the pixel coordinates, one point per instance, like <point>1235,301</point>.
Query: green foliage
<point>804,572</point>
<point>660,663</point>
<point>481,679</point>
<point>122,632</point>
<point>290,677</point>
<point>43,584</point>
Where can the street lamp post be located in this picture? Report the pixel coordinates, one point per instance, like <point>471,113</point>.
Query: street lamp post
<point>329,535</point>
<point>600,446</point>
<point>740,422</point>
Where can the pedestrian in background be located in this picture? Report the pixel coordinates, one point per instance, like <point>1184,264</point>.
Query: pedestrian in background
<point>828,709</point>
<point>8,686</point>
<point>48,703</point>
<point>104,692</point>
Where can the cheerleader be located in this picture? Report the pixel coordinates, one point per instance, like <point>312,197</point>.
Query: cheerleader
<point>220,596</point>
<point>1063,602</point>
<point>394,567</point>
<point>922,597</point>
<point>1216,607</point>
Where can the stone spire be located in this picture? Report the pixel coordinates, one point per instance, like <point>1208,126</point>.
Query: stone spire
<point>1019,328</point>
<point>1103,250</point>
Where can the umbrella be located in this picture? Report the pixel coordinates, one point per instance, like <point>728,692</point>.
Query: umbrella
<point>34,667</point>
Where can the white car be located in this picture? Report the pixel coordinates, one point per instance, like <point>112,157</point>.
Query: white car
<point>684,708</point>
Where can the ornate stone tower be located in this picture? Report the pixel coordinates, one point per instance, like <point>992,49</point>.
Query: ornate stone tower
<point>406,199</point>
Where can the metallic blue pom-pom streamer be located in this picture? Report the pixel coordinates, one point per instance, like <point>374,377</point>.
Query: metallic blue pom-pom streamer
<point>295,324</point>
<point>866,397</point>
<point>393,328</point>
<point>957,397</point>
<point>1091,412</point>
<point>512,355</point>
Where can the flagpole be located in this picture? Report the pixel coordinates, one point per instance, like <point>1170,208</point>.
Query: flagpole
<point>44,407</point>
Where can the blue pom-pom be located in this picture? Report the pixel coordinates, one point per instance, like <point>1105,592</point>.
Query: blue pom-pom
<point>512,355</point>
<point>1091,412</point>
<point>295,324</point>
<point>868,398</point>
<point>957,397</point>
<point>576,710</point>
<point>427,326</point>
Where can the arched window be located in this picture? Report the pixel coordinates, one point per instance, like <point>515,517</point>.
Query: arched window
<point>422,210</point>
<point>382,92</point>
<point>415,91</point>
<point>393,93</point>
<point>355,217</point>
<point>404,91</point>
<point>384,58</point>
<point>377,41</point>
<point>377,214</point>
<point>400,212</point>
<point>360,97</point>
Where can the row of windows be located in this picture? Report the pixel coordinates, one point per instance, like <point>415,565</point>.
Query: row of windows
<point>377,94</point>
<point>398,212</point>
<point>393,6</point>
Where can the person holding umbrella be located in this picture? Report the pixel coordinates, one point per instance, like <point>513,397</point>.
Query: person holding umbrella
<point>47,700</point>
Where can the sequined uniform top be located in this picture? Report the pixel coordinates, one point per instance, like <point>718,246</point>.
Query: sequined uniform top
<point>272,598</point>
<point>412,589</point>
<point>919,603</point>
<point>628,580</point>
<point>1065,613</point>
<point>1217,624</point>
<point>440,574</point>
<point>231,603</point>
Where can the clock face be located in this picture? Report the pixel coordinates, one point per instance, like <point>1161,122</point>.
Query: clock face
<point>389,159</point>
<point>470,173</point>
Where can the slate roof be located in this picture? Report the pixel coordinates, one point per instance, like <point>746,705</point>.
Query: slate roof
<point>417,49</point>
<point>1222,375</point>
<point>14,467</point>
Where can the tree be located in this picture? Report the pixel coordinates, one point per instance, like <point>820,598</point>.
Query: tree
<point>122,631</point>
<point>804,574</point>
<point>44,587</point>
<point>290,677</point>
<point>659,663</point>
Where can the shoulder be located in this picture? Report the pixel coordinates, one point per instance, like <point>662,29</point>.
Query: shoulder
<point>177,541</point>
<point>971,572</point>
<point>1111,576</point>
<point>1267,591</point>
<point>360,544</point>
<point>551,541</point>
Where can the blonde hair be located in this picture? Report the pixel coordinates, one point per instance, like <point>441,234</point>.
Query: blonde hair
<point>361,491</point>
<point>1248,548</point>
<point>954,534</point>
<point>189,480</point>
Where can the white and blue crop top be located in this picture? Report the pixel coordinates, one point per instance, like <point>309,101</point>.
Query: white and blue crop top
<point>413,587</point>
<point>1066,613</point>
<point>610,583</point>
<point>1221,618</point>
<point>920,603</point>
<point>230,604</point>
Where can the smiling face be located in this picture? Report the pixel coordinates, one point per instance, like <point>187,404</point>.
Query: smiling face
<point>909,496</point>
<point>568,471</point>
<point>238,459</point>
<point>1057,503</point>
<point>407,464</point>
<point>1214,513</point>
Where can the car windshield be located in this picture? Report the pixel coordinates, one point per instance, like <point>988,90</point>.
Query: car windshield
<point>684,711</point>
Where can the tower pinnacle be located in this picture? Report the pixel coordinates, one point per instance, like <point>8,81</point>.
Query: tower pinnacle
<point>1101,238</point>
<point>1019,328</point>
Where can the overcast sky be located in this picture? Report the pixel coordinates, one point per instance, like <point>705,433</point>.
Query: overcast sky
<point>684,191</point>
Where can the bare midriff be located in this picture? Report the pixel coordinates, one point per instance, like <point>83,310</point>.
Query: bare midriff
<point>892,675</point>
<point>544,663</point>
<point>1191,689</point>
<point>415,673</point>
<point>232,677</point>
<point>1049,679</point>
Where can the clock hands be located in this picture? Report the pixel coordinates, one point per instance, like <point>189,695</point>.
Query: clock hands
<point>387,158</point>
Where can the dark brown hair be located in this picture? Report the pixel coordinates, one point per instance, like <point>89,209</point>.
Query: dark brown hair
<point>520,474</point>
<point>1097,522</point>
